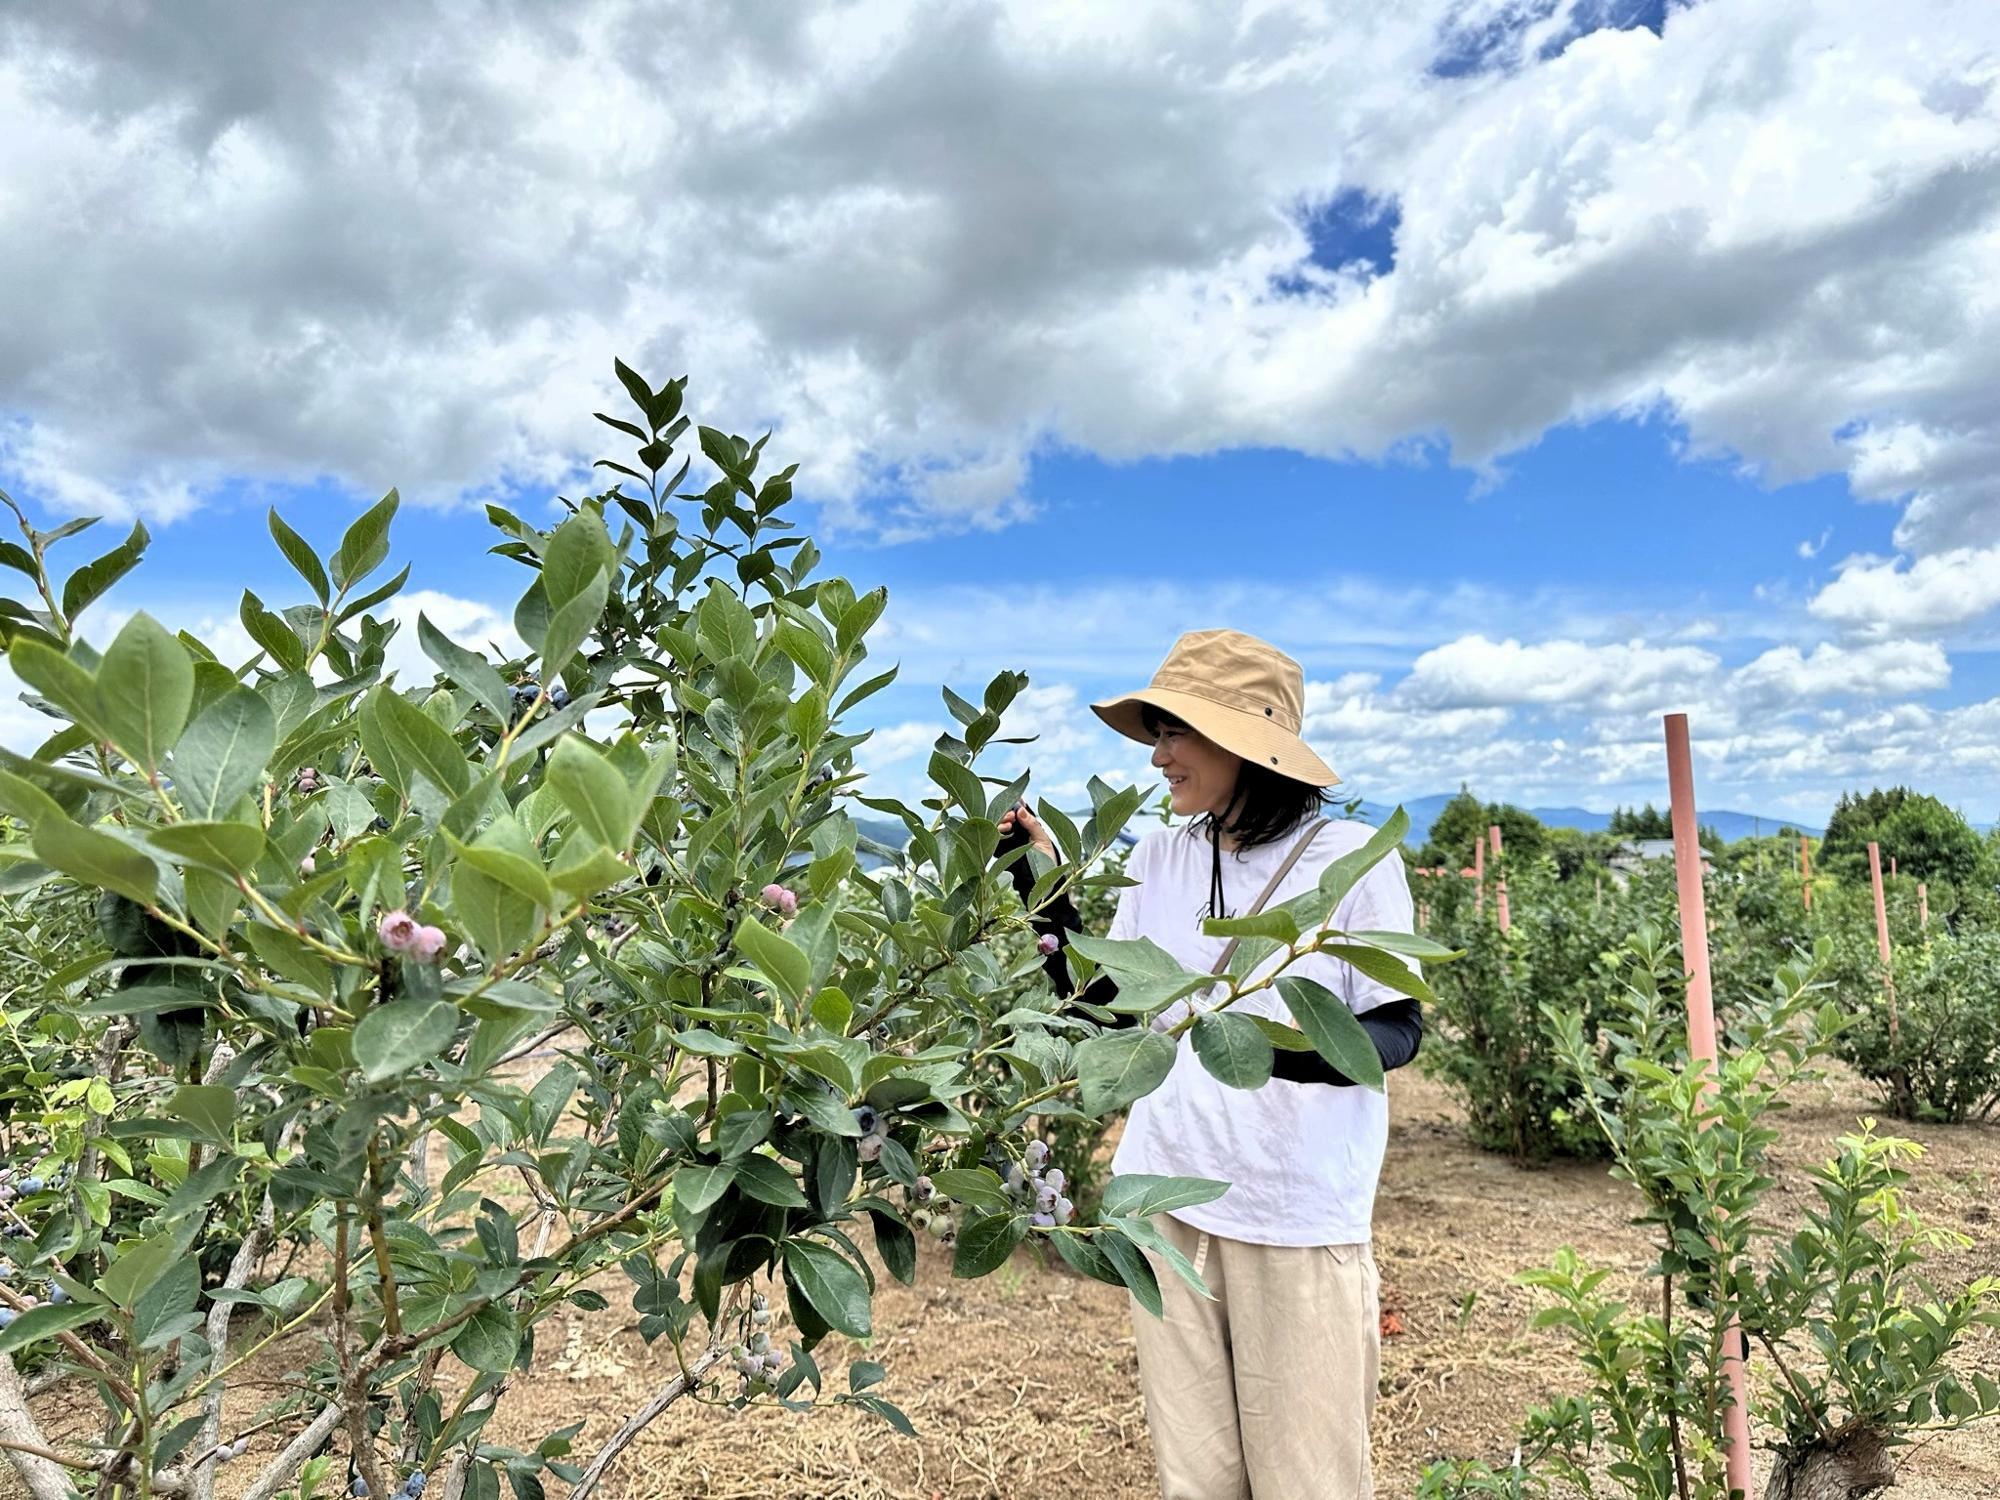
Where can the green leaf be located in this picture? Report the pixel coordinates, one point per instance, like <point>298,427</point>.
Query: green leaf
<point>776,955</point>
<point>697,1188</point>
<point>1385,968</point>
<point>1139,1195</point>
<point>96,858</point>
<point>830,1285</point>
<point>960,783</point>
<point>1284,1038</point>
<point>65,682</point>
<point>1133,1269</point>
<point>1277,924</point>
<point>45,1322</point>
<point>272,633</point>
<point>489,1340</point>
<point>404,1034</point>
<point>167,1303</point>
<point>594,791</point>
<point>1119,1066</point>
<point>579,551</point>
<point>833,1010</point>
<point>1340,877</point>
<point>232,848</point>
<point>975,1187</point>
<point>1409,944</point>
<point>1331,1027</point>
<point>504,852</point>
<point>1232,1049</point>
<point>985,1242</point>
<point>570,625</point>
<point>209,1107</point>
<point>468,669</point>
<point>414,742</point>
<point>145,687</point>
<point>144,1000</point>
<point>763,1179</point>
<point>90,581</point>
<point>223,753</point>
<point>299,553</point>
<point>365,544</point>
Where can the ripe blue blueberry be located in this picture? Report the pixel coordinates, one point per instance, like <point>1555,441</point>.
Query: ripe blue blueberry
<point>868,1121</point>
<point>57,1295</point>
<point>1042,1221</point>
<point>1054,1180</point>
<point>414,1485</point>
<point>7,1315</point>
<point>559,697</point>
<point>359,1487</point>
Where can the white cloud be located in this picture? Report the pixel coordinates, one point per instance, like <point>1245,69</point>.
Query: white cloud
<point>958,234</point>
<point>1877,596</point>
<point>1889,669</point>
<point>1473,670</point>
<point>1810,549</point>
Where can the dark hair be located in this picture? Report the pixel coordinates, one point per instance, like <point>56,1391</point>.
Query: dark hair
<point>1264,807</point>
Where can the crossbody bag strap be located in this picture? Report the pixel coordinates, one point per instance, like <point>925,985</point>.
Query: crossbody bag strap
<point>1319,825</point>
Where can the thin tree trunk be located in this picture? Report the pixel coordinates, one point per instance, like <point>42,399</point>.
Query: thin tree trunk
<point>45,1479</point>
<point>641,1419</point>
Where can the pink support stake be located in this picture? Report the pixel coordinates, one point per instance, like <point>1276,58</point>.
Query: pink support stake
<point>1882,936</point>
<point>1701,1047</point>
<point>1499,879</point>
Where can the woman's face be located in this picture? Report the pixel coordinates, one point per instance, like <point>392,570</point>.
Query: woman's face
<point>1200,774</point>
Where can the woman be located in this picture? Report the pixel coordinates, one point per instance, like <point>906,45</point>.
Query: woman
<point>1264,1391</point>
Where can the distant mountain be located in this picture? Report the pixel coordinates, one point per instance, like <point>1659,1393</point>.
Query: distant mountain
<point>1731,826</point>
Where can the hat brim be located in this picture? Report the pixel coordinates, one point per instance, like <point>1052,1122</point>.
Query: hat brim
<point>1254,737</point>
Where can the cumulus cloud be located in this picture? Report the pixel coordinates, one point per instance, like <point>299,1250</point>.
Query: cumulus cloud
<point>1881,596</point>
<point>1474,670</point>
<point>389,243</point>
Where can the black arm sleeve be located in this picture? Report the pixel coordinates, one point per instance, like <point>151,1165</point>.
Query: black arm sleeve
<point>1396,1027</point>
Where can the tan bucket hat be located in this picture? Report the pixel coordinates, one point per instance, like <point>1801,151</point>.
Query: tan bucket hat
<point>1243,693</point>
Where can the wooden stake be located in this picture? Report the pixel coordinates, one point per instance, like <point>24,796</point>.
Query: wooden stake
<point>1882,937</point>
<point>1701,1048</point>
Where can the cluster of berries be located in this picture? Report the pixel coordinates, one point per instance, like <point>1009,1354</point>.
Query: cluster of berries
<point>524,694</point>
<point>26,1187</point>
<point>786,902</point>
<point>412,1486</point>
<point>309,781</point>
<point>402,933</point>
<point>930,1214</point>
<point>1033,1178</point>
<point>758,1358</point>
<point>56,1296</point>
<point>224,1452</point>
<point>873,1133</point>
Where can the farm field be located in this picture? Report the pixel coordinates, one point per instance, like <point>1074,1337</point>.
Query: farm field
<point>1023,1382</point>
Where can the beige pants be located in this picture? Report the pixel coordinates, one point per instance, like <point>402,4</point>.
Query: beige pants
<point>1266,1391</point>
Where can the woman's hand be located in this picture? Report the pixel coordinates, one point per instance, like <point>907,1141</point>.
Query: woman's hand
<point>1018,826</point>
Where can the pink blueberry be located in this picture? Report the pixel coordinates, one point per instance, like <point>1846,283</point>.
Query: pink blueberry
<point>1048,942</point>
<point>429,944</point>
<point>399,931</point>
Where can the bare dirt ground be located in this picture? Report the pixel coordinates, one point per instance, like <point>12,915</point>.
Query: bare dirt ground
<point>1024,1383</point>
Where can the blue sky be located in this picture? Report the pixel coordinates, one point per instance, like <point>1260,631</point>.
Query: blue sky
<point>1525,368</point>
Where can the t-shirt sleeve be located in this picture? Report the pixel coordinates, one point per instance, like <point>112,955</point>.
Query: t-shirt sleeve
<point>1379,902</point>
<point>1125,917</point>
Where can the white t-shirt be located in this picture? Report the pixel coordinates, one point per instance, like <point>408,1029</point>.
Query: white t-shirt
<point>1301,1159</point>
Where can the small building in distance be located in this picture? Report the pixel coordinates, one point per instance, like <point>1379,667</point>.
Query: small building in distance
<point>1634,853</point>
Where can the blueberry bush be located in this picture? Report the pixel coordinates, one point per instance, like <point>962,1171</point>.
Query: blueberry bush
<point>372,1016</point>
<point>1853,1347</point>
